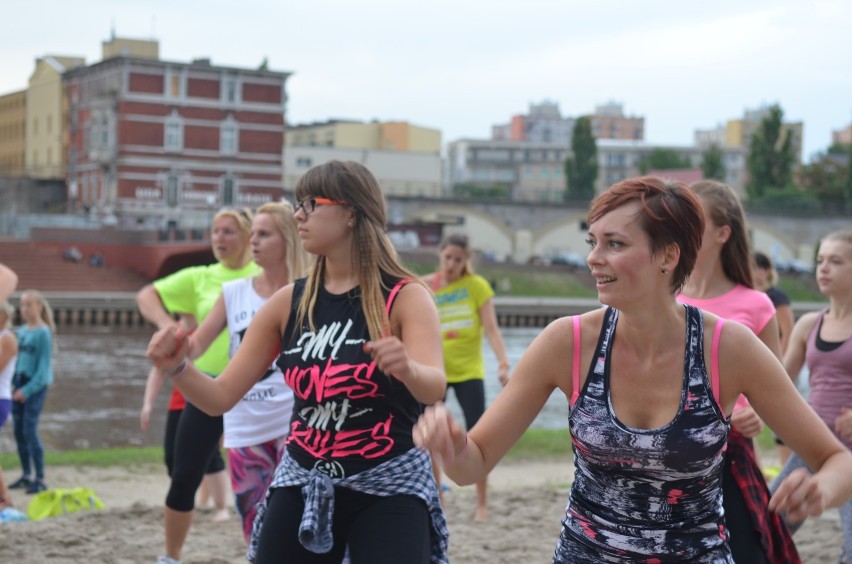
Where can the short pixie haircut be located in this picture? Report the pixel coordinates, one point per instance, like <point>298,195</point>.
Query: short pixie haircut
<point>671,214</point>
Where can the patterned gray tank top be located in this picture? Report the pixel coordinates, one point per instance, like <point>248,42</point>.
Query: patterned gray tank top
<point>647,495</point>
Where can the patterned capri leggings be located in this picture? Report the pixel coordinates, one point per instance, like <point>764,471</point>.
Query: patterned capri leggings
<point>252,469</point>
<point>795,462</point>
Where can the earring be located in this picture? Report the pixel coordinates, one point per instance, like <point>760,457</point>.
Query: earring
<point>349,223</point>
<point>664,271</point>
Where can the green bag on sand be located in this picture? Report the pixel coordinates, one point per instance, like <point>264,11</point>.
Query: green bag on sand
<point>61,501</point>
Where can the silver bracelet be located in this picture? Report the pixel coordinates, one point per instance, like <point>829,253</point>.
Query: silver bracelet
<point>177,370</point>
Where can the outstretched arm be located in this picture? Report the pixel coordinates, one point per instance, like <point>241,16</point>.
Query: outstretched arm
<point>492,331</point>
<point>153,385</point>
<point>784,314</point>
<point>168,349</point>
<point>468,458</point>
<point>794,356</point>
<point>750,368</point>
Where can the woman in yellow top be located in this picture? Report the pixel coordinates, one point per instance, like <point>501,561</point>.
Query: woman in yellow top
<point>466,308</point>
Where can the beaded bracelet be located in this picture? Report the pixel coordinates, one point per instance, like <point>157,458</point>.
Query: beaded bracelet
<point>177,370</point>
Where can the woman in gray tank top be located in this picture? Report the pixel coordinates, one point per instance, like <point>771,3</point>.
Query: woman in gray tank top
<point>649,409</point>
<point>823,339</point>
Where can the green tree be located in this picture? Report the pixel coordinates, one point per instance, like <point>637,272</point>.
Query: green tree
<point>825,178</point>
<point>581,168</point>
<point>712,165</point>
<point>770,155</point>
<point>494,191</point>
<point>849,174</point>
<point>663,159</point>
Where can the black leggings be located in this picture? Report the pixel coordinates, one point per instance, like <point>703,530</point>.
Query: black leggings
<point>378,530</point>
<point>196,441</point>
<point>471,397</point>
<point>217,463</point>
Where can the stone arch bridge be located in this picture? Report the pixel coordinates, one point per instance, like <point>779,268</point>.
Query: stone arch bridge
<point>520,231</point>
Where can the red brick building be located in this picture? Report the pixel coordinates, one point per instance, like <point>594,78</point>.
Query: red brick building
<point>160,141</point>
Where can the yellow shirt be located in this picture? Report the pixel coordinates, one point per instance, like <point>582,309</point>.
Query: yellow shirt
<point>461,327</point>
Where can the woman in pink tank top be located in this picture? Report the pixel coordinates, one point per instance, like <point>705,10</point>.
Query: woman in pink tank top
<point>721,283</point>
<point>823,339</point>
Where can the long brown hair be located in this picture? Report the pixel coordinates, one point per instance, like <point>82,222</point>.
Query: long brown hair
<point>461,241</point>
<point>373,254</point>
<point>723,207</point>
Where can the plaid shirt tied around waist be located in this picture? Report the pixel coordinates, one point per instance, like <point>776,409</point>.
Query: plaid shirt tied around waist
<point>409,474</point>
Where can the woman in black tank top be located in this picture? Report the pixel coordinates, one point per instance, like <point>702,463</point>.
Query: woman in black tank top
<point>361,349</point>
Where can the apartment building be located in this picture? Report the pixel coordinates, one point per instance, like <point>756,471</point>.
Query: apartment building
<point>172,140</point>
<point>13,119</point>
<point>46,117</point>
<point>842,136</point>
<point>405,158</point>
<point>545,124</point>
<point>737,133</point>
<point>609,122</point>
<point>535,171</point>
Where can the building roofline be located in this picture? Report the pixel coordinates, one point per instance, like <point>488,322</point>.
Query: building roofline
<point>198,65</point>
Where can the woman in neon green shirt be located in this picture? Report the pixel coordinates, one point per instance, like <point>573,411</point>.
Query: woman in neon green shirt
<point>466,308</point>
<point>193,291</point>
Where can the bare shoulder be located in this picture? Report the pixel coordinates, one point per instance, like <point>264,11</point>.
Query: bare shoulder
<point>276,310</point>
<point>736,338</point>
<point>414,291</point>
<point>560,333</point>
<point>806,322</point>
<point>283,294</point>
<point>9,340</point>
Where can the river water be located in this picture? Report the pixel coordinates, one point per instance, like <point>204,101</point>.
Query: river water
<point>99,381</point>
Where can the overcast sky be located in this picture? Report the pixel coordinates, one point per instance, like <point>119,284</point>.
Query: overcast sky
<point>461,65</point>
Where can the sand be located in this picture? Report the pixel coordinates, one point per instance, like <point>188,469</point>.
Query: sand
<point>526,500</point>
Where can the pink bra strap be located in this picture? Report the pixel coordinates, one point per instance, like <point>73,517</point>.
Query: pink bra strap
<point>714,360</point>
<point>575,371</point>
<point>393,294</point>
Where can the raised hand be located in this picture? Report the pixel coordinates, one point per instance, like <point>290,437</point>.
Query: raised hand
<point>440,434</point>
<point>799,496</point>
<point>168,347</point>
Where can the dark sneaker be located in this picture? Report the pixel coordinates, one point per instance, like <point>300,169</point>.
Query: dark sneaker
<point>36,487</point>
<point>22,483</point>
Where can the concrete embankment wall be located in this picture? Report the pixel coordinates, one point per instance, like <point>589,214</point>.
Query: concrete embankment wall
<point>119,309</point>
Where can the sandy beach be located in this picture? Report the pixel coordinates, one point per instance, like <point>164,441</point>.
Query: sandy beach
<point>527,500</point>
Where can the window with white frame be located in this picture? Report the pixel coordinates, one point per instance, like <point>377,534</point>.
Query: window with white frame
<point>173,133</point>
<point>104,132</point>
<point>228,137</point>
<point>229,191</point>
<point>172,190</point>
<point>229,89</point>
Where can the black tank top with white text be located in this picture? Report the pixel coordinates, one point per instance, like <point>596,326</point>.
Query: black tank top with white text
<point>348,416</point>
